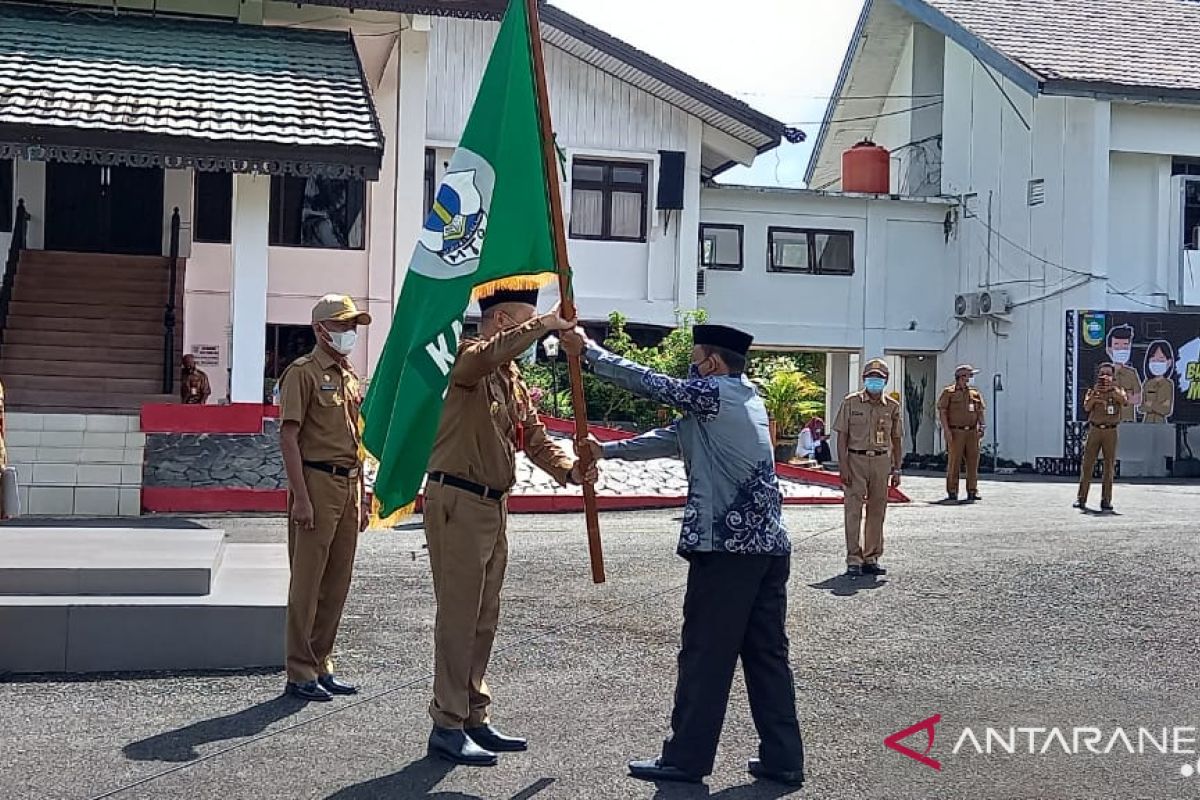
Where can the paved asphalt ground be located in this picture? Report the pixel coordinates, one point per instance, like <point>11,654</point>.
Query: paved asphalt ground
<point>1015,612</point>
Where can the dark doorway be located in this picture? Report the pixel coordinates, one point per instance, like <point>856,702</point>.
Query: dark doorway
<point>95,209</point>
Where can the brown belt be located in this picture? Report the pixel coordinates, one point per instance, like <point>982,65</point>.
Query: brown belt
<point>869,452</point>
<point>964,427</point>
<point>1102,427</point>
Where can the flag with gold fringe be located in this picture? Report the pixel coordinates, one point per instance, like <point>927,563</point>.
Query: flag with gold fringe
<point>489,229</point>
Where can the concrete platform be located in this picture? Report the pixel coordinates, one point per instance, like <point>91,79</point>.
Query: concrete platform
<point>238,624</point>
<point>108,561</point>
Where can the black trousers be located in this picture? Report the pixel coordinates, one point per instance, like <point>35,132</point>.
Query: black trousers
<point>736,606</point>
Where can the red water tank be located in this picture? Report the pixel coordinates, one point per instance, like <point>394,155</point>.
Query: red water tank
<point>866,168</point>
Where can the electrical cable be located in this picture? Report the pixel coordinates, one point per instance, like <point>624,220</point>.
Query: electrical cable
<point>872,116</point>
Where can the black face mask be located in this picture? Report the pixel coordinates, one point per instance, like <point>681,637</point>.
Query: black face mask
<point>188,370</point>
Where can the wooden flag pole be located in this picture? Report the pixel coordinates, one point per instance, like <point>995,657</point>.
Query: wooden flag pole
<point>575,369</point>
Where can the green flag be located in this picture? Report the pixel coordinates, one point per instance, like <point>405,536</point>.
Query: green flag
<point>489,228</point>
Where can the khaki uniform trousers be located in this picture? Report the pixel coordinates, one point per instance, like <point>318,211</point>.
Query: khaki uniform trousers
<point>964,446</point>
<point>322,560</point>
<point>1099,440</point>
<point>869,486</point>
<point>468,553</point>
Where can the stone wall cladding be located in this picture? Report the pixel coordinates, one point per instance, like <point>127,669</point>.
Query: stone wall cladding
<point>215,460</point>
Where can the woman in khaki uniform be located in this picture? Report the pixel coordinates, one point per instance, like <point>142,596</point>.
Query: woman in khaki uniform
<point>1104,403</point>
<point>1158,393</point>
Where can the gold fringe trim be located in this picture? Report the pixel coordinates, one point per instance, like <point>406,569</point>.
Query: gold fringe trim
<point>375,521</point>
<point>516,283</point>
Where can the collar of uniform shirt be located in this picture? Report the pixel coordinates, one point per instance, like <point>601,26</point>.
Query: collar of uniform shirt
<point>326,360</point>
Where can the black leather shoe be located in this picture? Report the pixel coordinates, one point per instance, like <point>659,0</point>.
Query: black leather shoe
<point>1082,506</point>
<point>788,777</point>
<point>457,748</point>
<point>873,569</point>
<point>951,498</point>
<point>854,571</point>
<point>654,770</point>
<point>489,738</point>
<point>973,498</point>
<point>309,690</point>
<point>332,685</point>
<point>1106,508</point>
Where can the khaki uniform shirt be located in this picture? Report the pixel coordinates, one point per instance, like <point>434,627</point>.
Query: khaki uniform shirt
<point>1158,398</point>
<point>488,415</point>
<point>322,394</point>
<point>195,387</point>
<point>1105,406</point>
<point>963,407</point>
<point>1127,378</point>
<point>869,424</point>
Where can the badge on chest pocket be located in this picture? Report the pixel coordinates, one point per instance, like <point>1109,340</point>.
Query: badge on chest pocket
<point>880,435</point>
<point>1111,408</point>
<point>971,407</point>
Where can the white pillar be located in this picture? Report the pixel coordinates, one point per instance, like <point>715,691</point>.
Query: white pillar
<point>248,313</point>
<point>687,232</point>
<point>381,263</point>
<point>410,170</point>
<point>837,386</point>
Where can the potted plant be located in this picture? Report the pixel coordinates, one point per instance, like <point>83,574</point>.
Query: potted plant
<point>784,397</point>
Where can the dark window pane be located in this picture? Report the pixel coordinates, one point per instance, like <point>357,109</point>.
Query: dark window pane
<point>588,172</point>
<point>834,253</point>
<point>318,212</point>
<point>430,179</point>
<point>721,247</point>
<point>212,217</point>
<point>7,204</point>
<point>789,250</point>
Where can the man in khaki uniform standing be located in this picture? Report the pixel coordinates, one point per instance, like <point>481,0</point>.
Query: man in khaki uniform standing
<point>961,409</point>
<point>1105,405</point>
<point>488,417</point>
<point>870,449</point>
<point>319,399</point>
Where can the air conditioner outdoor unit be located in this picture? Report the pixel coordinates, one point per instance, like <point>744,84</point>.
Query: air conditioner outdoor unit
<point>701,281</point>
<point>966,306</point>
<point>994,304</point>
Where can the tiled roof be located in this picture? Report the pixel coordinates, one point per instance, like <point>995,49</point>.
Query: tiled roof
<point>252,97</point>
<point>1145,44</point>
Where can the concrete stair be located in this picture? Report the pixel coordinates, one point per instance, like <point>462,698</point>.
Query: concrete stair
<point>84,332</point>
<point>85,465</point>
<point>119,599</point>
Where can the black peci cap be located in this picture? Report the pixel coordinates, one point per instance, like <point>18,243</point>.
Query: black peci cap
<point>527,296</point>
<point>723,336</point>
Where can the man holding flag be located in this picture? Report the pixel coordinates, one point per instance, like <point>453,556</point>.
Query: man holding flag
<point>494,229</point>
<point>488,418</point>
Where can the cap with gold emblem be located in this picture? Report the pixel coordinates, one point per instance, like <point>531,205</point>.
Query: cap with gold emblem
<point>967,368</point>
<point>338,308</point>
<point>876,366</point>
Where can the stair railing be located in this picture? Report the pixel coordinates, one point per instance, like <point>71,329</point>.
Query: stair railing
<point>20,239</point>
<point>169,366</point>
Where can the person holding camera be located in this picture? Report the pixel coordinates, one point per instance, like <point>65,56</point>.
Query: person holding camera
<point>1105,405</point>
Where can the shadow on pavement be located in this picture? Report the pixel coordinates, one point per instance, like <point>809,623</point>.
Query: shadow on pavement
<point>180,745</point>
<point>749,791</point>
<point>846,586</point>
<point>418,780</point>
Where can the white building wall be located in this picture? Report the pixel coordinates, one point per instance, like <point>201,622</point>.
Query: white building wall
<point>893,302</point>
<point>599,116</point>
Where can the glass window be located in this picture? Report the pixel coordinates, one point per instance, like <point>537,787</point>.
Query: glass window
<point>430,179</point>
<point>813,251</point>
<point>318,212</point>
<point>609,200</point>
<point>212,215</point>
<point>721,246</point>
<point>7,205</point>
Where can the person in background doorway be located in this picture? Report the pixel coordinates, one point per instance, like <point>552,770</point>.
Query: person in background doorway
<point>961,410</point>
<point>1105,406</point>
<point>193,383</point>
<point>870,447</point>
<point>319,400</point>
<point>814,441</point>
<point>1125,377</point>
<point>1158,394</point>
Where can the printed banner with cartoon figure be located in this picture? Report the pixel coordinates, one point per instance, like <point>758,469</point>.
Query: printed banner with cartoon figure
<point>1157,360</point>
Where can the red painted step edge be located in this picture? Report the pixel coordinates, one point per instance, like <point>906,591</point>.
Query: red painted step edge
<point>178,418</point>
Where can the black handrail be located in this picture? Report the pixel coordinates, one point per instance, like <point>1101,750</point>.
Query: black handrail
<point>20,238</point>
<point>169,313</point>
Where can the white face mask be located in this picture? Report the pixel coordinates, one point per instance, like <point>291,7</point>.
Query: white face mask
<point>1120,356</point>
<point>342,341</point>
<point>1160,368</point>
